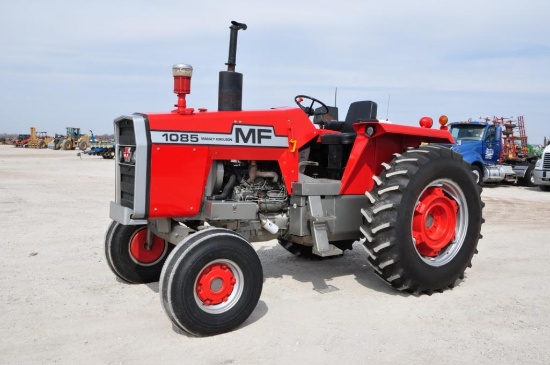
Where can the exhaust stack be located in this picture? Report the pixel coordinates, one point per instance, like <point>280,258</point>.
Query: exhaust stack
<point>230,89</point>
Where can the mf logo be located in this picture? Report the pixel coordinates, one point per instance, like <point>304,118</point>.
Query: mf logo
<point>127,154</point>
<point>251,135</point>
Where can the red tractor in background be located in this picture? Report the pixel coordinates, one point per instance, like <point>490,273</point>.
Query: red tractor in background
<point>194,188</point>
<point>22,140</point>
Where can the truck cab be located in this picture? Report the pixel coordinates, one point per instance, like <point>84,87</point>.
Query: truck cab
<point>542,170</point>
<point>481,144</point>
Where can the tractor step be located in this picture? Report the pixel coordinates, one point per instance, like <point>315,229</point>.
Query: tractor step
<point>321,245</point>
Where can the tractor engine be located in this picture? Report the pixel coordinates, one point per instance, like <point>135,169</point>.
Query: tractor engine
<point>257,185</point>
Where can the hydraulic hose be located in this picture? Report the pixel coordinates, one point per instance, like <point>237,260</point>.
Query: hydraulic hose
<point>226,189</point>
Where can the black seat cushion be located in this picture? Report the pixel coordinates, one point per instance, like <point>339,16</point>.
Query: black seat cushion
<point>359,111</point>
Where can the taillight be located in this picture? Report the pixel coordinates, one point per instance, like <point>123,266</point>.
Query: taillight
<point>426,122</point>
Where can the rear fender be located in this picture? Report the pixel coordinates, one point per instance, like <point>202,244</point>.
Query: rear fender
<point>368,153</point>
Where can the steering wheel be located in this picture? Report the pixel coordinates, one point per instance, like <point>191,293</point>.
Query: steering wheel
<point>309,110</point>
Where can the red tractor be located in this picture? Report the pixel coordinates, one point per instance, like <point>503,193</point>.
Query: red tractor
<point>194,188</point>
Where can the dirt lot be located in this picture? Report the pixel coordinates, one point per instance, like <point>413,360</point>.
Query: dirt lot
<point>61,304</point>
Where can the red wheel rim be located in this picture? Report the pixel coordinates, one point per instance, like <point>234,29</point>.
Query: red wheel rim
<point>215,284</point>
<point>434,222</point>
<point>139,251</point>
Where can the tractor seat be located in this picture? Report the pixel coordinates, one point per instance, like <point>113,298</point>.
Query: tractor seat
<point>340,144</point>
<point>359,111</point>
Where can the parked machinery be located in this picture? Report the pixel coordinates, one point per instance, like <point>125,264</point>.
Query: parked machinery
<point>22,140</point>
<point>496,149</point>
<point>105,149</point>
<point>74,139</point>
<point>542,170</point>
<point>194,188</point>
<point>38,139</point>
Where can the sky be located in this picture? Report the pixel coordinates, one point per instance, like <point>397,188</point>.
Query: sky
<point>72,63</point>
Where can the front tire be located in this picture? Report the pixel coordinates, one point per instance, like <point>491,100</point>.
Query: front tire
<point>478,176</point>
<point>127,256</point>
<point>424,219</point>
<point>211,282</point>
<point>529,178</point>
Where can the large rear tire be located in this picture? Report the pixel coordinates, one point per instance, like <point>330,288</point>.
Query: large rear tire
<point>127,255</point>
<point>211,282</point>
<point>424,219</point>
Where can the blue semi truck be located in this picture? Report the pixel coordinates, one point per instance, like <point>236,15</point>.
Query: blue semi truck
<point>495,150</point>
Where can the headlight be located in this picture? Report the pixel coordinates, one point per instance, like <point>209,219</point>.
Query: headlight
<point>538,163</point>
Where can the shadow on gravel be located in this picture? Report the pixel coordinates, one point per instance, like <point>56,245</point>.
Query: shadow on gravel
<point>153,286</point>
<point>259,312</point>
<point>276,262</point>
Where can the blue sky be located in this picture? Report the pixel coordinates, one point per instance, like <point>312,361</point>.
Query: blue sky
<point>70,63</point>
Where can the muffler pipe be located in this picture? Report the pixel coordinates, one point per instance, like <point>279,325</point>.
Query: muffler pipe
<point>230,89</point>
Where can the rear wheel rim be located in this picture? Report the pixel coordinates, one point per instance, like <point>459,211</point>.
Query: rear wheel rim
<point>439,222</point>
<point>218,286</point>
<point>139,252</point>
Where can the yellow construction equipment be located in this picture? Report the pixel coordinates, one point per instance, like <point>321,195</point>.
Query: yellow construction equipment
<point>74,139</point>
<point>38,139</point>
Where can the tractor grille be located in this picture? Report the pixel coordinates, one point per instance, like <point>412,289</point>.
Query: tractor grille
<point>127,182</point>
<point>126,138</point>
<point>546,161</point>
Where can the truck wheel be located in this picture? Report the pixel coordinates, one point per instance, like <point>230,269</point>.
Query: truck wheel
<point>67,145</point>
<point>127,256</point>
<point>82,145</point>
<point>211,282</point>
<point>41,144</point>
<point>529,178</point>
<point>424,219</point>
<point>477,174</point>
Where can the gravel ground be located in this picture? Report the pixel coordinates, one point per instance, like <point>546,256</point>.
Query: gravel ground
<point>60,303</point>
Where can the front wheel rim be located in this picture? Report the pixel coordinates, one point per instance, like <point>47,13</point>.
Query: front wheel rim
<point>139,252</point>
<point>218,286</point>
<point>439,222</point>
